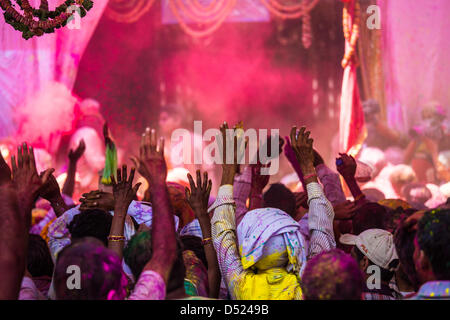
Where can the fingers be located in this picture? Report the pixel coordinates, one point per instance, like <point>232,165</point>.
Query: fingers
<point>19,157</point>
<point>191,181</point>
<point>187,193</point>
<point>161,146</point>
<point>132,172</point>
<point>199,179</point>
<point>113,180</point>
<point>136,187</point>
<point>47,174</point>
<point>124,173</point>
<point>153,140</point>
<point>119,176</point>
<point>293,135</point>
<point>208,189</point>
<point>13,164</point>
<point>32,161</point>
<point>205,180</point>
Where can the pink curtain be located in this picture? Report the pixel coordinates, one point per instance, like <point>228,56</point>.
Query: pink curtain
<point>26,66</point>
<point>416,54</point>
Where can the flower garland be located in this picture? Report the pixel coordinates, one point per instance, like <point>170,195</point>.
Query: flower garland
<point>350,38</point>
<point>306,26</point>
<point>289,12</point>
<point>216,16</point>
<point>48,20</point>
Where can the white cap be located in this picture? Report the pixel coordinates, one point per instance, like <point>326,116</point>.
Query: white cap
<point>376,244</point>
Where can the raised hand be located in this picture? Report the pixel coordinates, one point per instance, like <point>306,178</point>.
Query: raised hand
<point>303,147</point>
<point>346,165</point>
<point>151,159</point>
<point>75,155</point>
<point>97,200</point>
<point>345,210</point>
<point>50,189</point>
<point>24,173</point>
<point>123,189</point>
<point>198,195</point>
<point>230,167</point>
<point>5,171</point>
<point>259,181</point>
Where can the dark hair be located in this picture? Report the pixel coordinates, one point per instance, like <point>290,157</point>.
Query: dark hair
<point>101,275</point>
<point>386,275</point>
<point>91,223</point>
<point>332,275</point>
<point>404,245</point>
<point>433,236</point>
<point>194,244</point>
<point>39,260</point>
<point>280,197</point>
<point>139,251</point>
<point>370,216</point>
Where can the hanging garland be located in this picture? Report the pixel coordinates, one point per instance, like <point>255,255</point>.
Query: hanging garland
<point>48,20</point>
<point>306,26</point>
<point>128,11</point>
<point>350,38</point>
<point>216,16</point>
<point>289,12</point>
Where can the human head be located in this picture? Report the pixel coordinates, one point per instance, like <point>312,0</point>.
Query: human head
<point>100,271</point>
<point>332,275</point>
<point>279,242</point>
<point>280,197</point>
<point>194,244</point>
<point>374,247</point>
<point>404,245</point>
<point>400,176</point>
<point>370,216</point>
<point>91,223</point>
<point>39,260</point>
<point>431,246</point>
<point>373,157</point>
<point>139,251</point>
<point>416,194</point>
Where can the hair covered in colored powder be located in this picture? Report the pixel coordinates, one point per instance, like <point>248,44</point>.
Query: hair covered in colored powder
<point>332,275</point>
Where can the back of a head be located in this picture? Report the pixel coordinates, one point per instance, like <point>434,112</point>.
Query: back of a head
<point>332,275</point>
<point>139,251</point>
<point>401,175</point>
<point>194,244</point>
<point>280,197</point>
<point>404,245</point>
<point>39,260</point>
<point>433,237</point>
<point>370,216</point>
<point>94,271</point>
<point>416,194</point>
<point>91,223</point>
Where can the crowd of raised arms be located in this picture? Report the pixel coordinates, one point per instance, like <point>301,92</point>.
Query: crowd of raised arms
<point>243,243</point>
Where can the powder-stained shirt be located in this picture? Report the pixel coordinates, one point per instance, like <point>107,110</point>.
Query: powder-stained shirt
<point>320,221</point>
<point>150,286</point>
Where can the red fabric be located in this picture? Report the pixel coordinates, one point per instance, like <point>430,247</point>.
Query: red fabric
<point>351,126</point>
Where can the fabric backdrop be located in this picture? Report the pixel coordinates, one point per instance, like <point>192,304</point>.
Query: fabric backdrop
<point>26,66</point>
<point>416,51</point>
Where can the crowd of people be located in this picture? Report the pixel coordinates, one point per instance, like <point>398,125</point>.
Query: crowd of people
<point>338,235</point>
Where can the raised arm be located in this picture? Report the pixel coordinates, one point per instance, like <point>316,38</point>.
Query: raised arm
<point>346,166</point>
<point>50,192</point>
<point>321,214</point>
<point>223,223</point>
<point>17,198</point>
<point>163,226</point>
<point>74,156</point>
<point>198,197</point>
<point>124,193</point>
